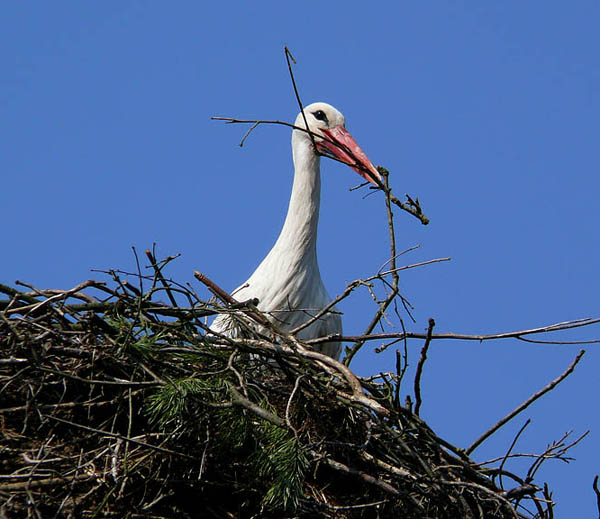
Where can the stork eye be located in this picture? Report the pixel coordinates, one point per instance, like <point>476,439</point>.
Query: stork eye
<point>320,115</point>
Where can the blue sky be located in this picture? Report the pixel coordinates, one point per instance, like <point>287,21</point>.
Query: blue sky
<point>487,111</point>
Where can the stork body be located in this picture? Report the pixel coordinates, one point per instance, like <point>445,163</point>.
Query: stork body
<point>287,282</point>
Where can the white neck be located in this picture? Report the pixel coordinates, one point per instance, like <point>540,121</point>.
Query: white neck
<point>298,237</point>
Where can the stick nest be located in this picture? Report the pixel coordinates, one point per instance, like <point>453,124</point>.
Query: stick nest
<point>117,405</point>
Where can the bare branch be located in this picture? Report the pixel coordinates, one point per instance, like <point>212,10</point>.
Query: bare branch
<point>526,404</point>
<point>509,451</point>
<point>411,206</point>
<point>420,365</point>
<point>224,296</point>
<point>158,272</point>
<point>597,492</point>
<point>119,436</point>
<point>289,58</point>
<point>383,306</point>
<point>577,323</point>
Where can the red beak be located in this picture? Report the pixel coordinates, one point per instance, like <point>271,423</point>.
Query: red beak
<point>344,148</point>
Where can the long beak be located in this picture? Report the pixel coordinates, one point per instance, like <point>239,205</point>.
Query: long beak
<point>347,151</point>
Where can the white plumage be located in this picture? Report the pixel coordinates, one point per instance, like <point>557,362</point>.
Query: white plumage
<point>288,283</point>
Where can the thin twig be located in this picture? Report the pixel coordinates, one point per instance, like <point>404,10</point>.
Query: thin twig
<point>525,404</point>
<point>420,365</point>
<point>367,478</point>
<point>158,272</point>
<point>225,297</point>
<point>412,207</point>
<point>383,306</point>
<point>289,59</point>
<point>238,399</point>
<point>510,448</point>
<point>57,297</point>
<point>121,437</point>
<point>577,323</point>
<point>597,492</point>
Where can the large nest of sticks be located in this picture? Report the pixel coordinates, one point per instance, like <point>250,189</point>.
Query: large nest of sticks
<point>117,404</point>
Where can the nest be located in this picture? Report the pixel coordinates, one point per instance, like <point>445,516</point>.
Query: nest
<point>117,405</point>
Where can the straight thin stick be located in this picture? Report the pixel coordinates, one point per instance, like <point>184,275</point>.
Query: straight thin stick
<point>525,404</point>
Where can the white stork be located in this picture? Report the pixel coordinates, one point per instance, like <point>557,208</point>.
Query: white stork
<point>288,283</point>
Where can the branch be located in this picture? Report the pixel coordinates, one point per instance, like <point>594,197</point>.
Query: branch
<point>337,368</point>
<point>351,352</point>
<point>48,482</point>
<point>577,323</point>
<point>238,399</point>
<point>367,478</point>
<point>411,206</point>
<point>288,57</point>
<point>230,300</point>
<point>526,404</point>
<point>121,437</point>
<point>420,365</point>
<point>158,271</point>
<point>597,492</point>
<point>350,287</point>
<point>59,295</point>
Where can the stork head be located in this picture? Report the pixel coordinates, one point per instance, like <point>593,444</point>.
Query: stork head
<point>331,138</point>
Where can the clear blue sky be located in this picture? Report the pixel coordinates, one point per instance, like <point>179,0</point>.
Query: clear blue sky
<point>487,111</point>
